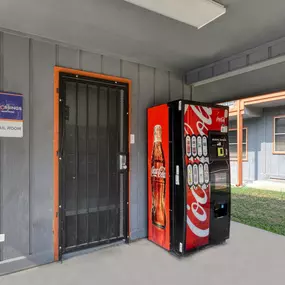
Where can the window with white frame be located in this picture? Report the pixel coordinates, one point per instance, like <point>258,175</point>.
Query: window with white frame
<point>233,144</point>
<point>279,134</point>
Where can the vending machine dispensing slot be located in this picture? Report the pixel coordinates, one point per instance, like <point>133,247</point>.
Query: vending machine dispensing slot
<point>188,175</point>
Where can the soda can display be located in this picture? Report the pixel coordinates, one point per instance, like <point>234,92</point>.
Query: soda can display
<point>194,145</point>
<point>199,146</point>
<point>190,175</point>
<point>205,146</point>
<point>201,174</point>
<point>206,173</point>
<point>188,145</point>
<point>195,174</point>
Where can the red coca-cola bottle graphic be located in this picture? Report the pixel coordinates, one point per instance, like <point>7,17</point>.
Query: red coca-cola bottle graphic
<point>158,180</point>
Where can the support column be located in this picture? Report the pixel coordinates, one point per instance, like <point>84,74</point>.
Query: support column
<point>239,142</point>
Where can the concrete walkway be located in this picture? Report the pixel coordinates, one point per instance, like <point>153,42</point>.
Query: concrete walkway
<point>268,185</point>
<point>251,256</point>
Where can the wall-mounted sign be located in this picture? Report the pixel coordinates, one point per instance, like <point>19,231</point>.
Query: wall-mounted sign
<point>11,115</point>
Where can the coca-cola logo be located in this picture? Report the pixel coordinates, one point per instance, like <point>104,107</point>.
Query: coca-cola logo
<point>198,211</point>
<point>204,114</point>
<point>221,120</point>
<point>158,172</point>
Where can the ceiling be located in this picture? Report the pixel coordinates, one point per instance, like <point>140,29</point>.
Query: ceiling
<point>115,27</point>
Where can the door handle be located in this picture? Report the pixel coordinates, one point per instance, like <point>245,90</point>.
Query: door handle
<point>123,162</point>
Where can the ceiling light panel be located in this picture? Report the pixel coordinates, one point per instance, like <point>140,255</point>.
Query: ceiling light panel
<point>197,13</point>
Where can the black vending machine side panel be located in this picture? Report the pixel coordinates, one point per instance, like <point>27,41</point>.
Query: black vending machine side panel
<point>220,187</point>
<point>177,192</point>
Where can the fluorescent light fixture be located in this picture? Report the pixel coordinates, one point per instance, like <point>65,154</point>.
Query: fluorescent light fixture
<point>197,13</point>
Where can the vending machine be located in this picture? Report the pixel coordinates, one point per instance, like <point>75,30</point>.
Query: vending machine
<point>188,175</point>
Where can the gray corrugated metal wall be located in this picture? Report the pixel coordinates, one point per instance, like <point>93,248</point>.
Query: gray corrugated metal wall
<point>26,189</point>
<point>262,163</point>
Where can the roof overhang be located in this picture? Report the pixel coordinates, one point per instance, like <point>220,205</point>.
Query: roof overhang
<point>252,107</point>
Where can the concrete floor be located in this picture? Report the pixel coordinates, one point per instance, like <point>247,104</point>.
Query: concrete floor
<point>251,256</point>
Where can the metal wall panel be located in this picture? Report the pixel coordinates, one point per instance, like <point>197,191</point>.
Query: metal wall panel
<point>176,87</point>
<point>130,70</point>
<point>262,163</point>
<point>15,162</point>
<point>111,66</point>
<point>68,57</point>
<point>146,99</point>
<point>250,170</point>
<point>90,62</point>
<point>259,55</point>
<point>221,67</point>
<point>260,146</point>
<point>206,73</point>
<point>192,76</point>
<point>249,166</point>
<point>26,191</point>
<point>278,49</point>
<point>41,155</point>
<point>238,63</point>
<point>271,160</point>
<point>162,92</point>
<point>186,90</point>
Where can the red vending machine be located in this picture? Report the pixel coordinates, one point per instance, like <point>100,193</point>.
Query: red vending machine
<point>188,175</point>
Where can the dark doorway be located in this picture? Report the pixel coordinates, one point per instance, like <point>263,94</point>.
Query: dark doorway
<point>93,140</point>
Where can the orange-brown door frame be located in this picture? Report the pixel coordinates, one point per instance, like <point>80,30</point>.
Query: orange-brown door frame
<point>57,71</point>
<point>239,142</point>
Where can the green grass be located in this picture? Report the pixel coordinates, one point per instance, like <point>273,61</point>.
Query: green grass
<point>259,208</point>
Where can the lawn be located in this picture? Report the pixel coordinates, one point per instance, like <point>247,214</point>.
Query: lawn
<point>259,208</point>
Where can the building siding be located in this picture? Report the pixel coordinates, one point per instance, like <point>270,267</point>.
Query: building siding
<point>26,188</point>
<point>262,164</point>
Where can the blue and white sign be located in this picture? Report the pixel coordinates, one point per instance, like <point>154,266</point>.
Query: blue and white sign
<point>11,115</point>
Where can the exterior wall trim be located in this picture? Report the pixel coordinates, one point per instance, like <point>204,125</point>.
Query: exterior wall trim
<point>273,133</point>
<point>57,70</point>
<point>264,98</point>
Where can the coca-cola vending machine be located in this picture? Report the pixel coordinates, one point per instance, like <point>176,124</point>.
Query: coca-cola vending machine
<point>188,175</point>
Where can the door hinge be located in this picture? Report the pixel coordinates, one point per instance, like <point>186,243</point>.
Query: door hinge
<point>179,105</point>
<point>57,90</point>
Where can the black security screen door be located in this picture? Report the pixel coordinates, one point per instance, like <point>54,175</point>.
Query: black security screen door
<point>93,161</point>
